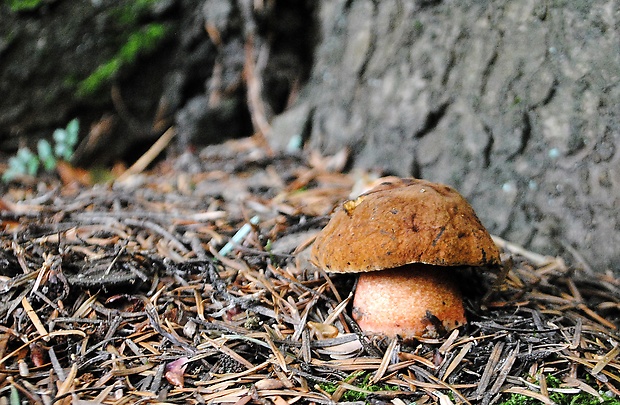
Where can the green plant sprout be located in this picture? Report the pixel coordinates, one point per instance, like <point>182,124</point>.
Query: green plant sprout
<point>66,139</point>
<point>25,162</point>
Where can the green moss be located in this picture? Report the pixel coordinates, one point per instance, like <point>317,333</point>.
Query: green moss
<point>418,27</point>
<point>363,384</point>
<point>100,76</point>
<point>142,41</point>
<point>583,398</point>
<point>139,43</point>
<point>24,5</point>
<point>562,399</point>
<point>131,13</point>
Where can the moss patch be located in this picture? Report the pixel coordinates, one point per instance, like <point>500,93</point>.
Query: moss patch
<point>139,43</point>
<point>362,381</point>
<point>561,398</point>
<point>24,5</point>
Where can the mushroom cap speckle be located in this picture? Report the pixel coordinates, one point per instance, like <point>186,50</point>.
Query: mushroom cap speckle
<point>401,222</point>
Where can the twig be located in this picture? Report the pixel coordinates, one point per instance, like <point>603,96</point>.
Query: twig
<point>149,155</point>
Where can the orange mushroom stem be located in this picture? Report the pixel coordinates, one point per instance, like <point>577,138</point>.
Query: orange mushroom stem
<point>412,300</point>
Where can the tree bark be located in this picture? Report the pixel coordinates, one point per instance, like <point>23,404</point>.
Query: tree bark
<point>514,103</point>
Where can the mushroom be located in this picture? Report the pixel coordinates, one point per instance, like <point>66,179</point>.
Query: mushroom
<point>405,237</point>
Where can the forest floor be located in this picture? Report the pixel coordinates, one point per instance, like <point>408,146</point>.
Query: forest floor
<point>189,284</point>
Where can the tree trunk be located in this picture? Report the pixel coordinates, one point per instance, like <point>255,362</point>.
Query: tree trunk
<point>514,103</point>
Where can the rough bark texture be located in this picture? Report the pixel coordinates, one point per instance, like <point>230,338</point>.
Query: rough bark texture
<point>514,103</point>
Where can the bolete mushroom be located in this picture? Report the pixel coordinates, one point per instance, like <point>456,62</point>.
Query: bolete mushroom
<point>405,237</point>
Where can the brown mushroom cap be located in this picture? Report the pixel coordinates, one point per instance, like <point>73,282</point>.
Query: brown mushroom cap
<point>402,222</point>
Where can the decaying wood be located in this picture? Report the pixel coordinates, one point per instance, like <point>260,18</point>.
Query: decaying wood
<point>123,294</point>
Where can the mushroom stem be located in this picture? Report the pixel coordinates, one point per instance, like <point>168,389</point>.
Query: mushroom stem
<point>415,300</point>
